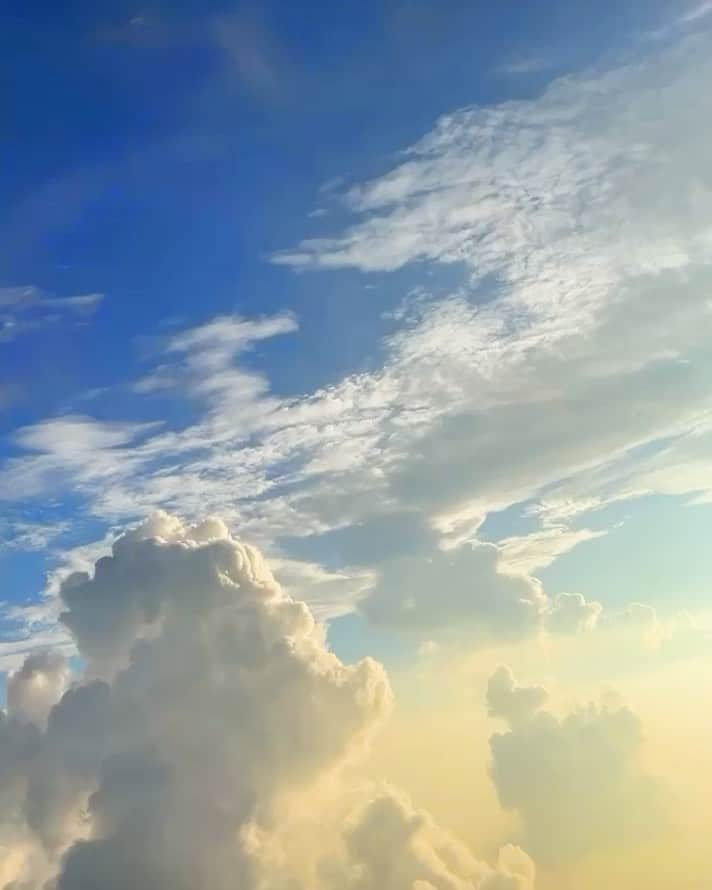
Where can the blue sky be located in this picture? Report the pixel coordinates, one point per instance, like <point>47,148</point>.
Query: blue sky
<point>163,165</point>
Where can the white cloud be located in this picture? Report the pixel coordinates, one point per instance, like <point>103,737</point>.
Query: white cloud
<point>583,379</point>
<point>524,64</point>
<point>465,591</point>
<point>33,639</point>
<point>220,696</point>
<point>392,846</point>
<point>329,594</point>
<point>572,613</point>
<point>66,449</point>
<point>19,534</point>
<point>577,782</point>
<point>531,191</point>
<point>591,212</point>
<point>515,704</point>
<point>527,553</point>
<point>222,725</point>
<point>28,308</point>
<point>695,13</point>
<point>210,701</point>
<point>35,688</point>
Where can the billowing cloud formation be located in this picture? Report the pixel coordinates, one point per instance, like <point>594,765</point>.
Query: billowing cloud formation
<point>448,590</point>
<point>217,695</point>
<point>470,591</point>
<point>34,689</point>
<point>577,782</point>
<point>572,613</point>
<point>210,701</point>
<point>392,846</point>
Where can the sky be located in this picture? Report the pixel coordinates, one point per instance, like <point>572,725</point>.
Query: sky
<point>356,445</point>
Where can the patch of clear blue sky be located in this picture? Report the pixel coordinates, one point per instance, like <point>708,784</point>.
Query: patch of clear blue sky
<point>655,552</point>
<point>146,159</point>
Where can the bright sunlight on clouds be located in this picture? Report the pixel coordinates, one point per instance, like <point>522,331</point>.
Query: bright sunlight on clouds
<point>356,458</point>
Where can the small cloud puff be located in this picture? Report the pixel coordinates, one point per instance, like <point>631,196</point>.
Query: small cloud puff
<point>572,613</point>
<point>34,689</point>
<point>515,704</point>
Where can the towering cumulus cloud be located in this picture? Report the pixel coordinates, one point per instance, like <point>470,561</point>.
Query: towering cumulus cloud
<point>209,700</point>
<point>213,694</point>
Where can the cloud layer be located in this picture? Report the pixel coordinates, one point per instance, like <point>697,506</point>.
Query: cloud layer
<point>570,367</point>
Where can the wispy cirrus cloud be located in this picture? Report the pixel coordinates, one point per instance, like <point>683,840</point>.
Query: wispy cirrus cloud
<point>29,308</point>
<point>588,218</point>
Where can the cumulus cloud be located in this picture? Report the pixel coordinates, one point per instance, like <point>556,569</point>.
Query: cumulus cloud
<point>577,782</point>
<point>210,700</point>
<point>471,594</point>
<point>572,613</point>
<point>34,689</point>
<point>392,846</point>
<point>209,694</point>
<point>511,702</point>
<point>462,590</point>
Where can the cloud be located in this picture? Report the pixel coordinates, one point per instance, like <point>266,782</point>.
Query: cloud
<point>696,12</point>
<point>576,782</point>
<point>691,17</point>
<point>28,308</point>
<point>22,534</point>
<point>596,281</point>
<point>464,591</point>
<point>210,707</point>
<point>212,718</point>
<point>28,297</point>
<point>32,638</point>
<point>503,188</point>
<point>515,704</point>
<point>329,593</point>
<point>34,689</point>
<point>252,53</point>
<point>525,64</point>
<point>70,449</point>
<point>571,365</point>
<point>572,613</point>
<point>527,553</point>
<point>470,594</point>
<point>218,696</point>
<point>392,846</point>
